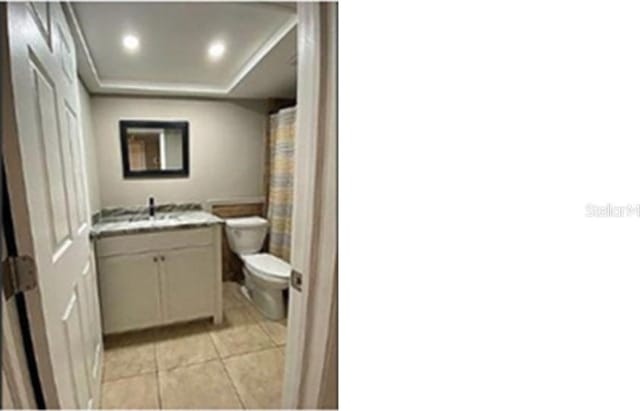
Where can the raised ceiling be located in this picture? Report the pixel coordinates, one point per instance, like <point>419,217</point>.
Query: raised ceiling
<point>172,59</point>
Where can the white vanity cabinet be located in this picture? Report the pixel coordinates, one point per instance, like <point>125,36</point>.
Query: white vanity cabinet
<point>158,278</point>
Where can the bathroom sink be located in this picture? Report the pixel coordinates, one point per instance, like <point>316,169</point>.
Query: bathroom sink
<point>156,217</point>
<point>140,218</point>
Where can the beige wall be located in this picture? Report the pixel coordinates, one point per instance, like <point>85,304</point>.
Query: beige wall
<point>89,148</point>
<point>226,149</point>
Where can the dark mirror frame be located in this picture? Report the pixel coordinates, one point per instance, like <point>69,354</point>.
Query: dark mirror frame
<point>178,125</point>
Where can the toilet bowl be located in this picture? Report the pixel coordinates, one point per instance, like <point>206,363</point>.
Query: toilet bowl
<point>266,276</point>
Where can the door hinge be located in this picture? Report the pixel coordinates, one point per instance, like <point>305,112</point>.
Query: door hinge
<point>19,275</point>
<point>296,280</point>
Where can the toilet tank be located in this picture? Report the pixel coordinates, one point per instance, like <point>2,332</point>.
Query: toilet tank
<point>246,234</point>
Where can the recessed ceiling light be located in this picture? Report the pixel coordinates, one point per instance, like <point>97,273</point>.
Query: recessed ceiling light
<point>216,50</point>
<point>130,42</point>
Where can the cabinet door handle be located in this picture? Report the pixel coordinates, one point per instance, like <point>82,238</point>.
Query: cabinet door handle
<point>155,259</point>
<point>161,258</point>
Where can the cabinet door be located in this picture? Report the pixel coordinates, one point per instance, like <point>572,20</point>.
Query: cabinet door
<point>129,292</point>
<point>188,283</point>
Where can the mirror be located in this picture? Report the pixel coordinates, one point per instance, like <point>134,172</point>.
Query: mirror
<point>154,149</point>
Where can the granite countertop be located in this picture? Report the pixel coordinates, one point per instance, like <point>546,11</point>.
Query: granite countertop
<point>136,220</point>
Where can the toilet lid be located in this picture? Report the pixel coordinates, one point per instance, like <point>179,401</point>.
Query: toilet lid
<point>268,265</point>
<point>246,222</point>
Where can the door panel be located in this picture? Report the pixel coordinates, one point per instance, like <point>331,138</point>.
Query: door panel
<point>95,323</point>
<point>188,283</point>
<point>129,292</point>
<point>40,11</point>
<point>65,54</point>
<point>47,187</point>
<point>47,123</point>
<point>83,290</point>
<point>92,319</point>
<point>77,170</point>
<point>74,341</point>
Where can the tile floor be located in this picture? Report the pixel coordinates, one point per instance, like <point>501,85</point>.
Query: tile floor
<point>239,364</point>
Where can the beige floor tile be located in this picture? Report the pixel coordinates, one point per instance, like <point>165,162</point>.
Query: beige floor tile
<point>127,355</point>
<point>240,340</point>
<point>239,316</point>
<point>184,345</point>
<point>232,296</point>
<point>258,377</point>
<point>134,392</point>
<point>203,385</point>
<point>253,310</point>
<point>130,338</point>
<point>240,333</point>
<point>233,289</point>
<point>277,330</point>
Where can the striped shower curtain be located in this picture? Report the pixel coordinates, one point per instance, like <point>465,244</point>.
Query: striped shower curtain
<point>281,143</point>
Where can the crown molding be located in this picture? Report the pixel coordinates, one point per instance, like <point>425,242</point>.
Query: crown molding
<point>79,35</point>
<point>263,51</point>
<point>150,88</point>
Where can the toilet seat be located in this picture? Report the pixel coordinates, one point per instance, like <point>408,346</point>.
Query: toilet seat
<point>268,266</point>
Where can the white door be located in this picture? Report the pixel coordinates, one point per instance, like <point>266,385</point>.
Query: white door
<point>47,187</point>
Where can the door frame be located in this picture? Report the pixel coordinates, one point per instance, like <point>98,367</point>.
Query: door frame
<point>20,380</point>
<point>311,355</point>
<point>17,387</point>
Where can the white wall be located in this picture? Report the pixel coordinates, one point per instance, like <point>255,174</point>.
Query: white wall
<point>88,139</point>
<point>226,149</point>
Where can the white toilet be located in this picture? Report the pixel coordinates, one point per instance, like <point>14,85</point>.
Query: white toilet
<point>266,276</point>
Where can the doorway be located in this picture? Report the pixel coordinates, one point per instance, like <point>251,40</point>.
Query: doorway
<point>302,387</point>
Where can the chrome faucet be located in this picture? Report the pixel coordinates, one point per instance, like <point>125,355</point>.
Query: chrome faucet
<point>152,207</point>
